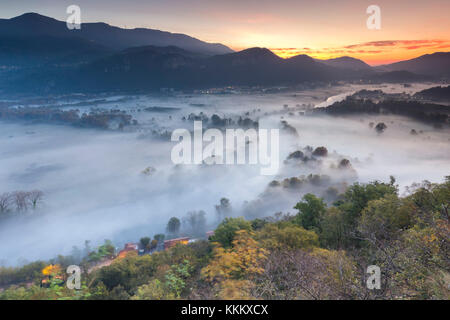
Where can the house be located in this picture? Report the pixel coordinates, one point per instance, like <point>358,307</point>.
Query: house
<point>129,247</point>
<point>173,242</point>
<point>209,234</point>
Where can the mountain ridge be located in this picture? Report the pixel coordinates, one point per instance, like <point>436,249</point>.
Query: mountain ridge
<point>31,24</point>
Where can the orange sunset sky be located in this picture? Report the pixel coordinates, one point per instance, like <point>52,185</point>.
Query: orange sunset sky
<point>319,28</point>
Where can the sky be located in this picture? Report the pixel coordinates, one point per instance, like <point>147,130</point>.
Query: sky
<point>319,28</point>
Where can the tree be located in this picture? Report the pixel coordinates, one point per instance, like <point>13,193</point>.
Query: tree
<point>224,209</point>
<point>173,226</point>
<point>226,230</point>
<point>154,290</point>
<point>333,233</point>
<point>20,199</point>
<point>286,236</point>
<point>5,203</point>
<point>380,127</point>
<point>35,197</point>
<point>176,277</point>
<point>107,249</point>
<point>310,212</point>
<point>320,152</point>
<point>383,220</point>
<point>307,274</point>
<point>233,270</point>
<point>145,241</point>
<point>118,293</point>
<point>51,270</point>
<point>357,196</point>
<point>159,237</point>
<point>195,222</point>
<point>129,272</point>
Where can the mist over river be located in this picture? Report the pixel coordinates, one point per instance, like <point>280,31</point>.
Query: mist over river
<point>96,185</point>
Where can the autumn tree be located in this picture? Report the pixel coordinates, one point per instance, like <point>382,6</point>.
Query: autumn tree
<point>233,270</point>
<point>284,236</point>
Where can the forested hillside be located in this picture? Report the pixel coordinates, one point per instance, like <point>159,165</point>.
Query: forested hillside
<point>322,252</point>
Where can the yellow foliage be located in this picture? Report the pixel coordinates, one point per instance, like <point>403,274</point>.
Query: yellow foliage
<point>51,269</point>
<point>243,260</point>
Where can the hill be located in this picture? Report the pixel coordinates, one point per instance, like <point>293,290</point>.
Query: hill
<point>33,24</point>
<point>436,64</point>
<point>346,63</point>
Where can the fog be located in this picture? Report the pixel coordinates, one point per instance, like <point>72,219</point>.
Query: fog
<point>95,188</point>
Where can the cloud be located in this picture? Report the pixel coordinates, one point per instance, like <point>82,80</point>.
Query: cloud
<point>366,48</point>
<point>407,44</point>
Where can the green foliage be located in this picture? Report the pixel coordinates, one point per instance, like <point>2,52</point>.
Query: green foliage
<point>56,291</point>
<point>176,277</point>
<point>145,242</point>
<point>118,293</point>
<point>334,227</point>
<point>286,236</point>
<point>104,251</point>
<point>357,196</point>
<point>21,274</point>
<point>226,230</point>
<point>382,219</point>
<point>258,224</point>
<point>128,272</point>
<point>159,237</point>
<point>310,212</point>
<point>154,290</point>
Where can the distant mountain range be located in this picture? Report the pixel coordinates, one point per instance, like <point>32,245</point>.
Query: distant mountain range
<point>33,24</point>
<point>434,64</point>
<point>346,63</point>
<point>39,54</point>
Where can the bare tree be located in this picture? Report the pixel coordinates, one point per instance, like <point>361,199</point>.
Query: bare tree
<point>21,200</point>
<point>34,197</point>
<point>299,274</point>
<point>5,202</point>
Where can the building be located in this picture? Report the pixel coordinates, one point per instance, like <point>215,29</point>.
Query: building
<point>173,242</point>
<point>129,247</point>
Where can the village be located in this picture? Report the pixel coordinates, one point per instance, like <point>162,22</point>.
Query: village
<point>53,272</point>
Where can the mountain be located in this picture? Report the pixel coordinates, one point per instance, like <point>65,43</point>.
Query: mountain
<point>139,68</point>
<point>174,67</point>
<point>38,51</point>
<point>149,68</point>
<point>435,64</point>
<point>397,77</point>
<point>115,38</point>
<point>152,68</point>
<point>346,63</point>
